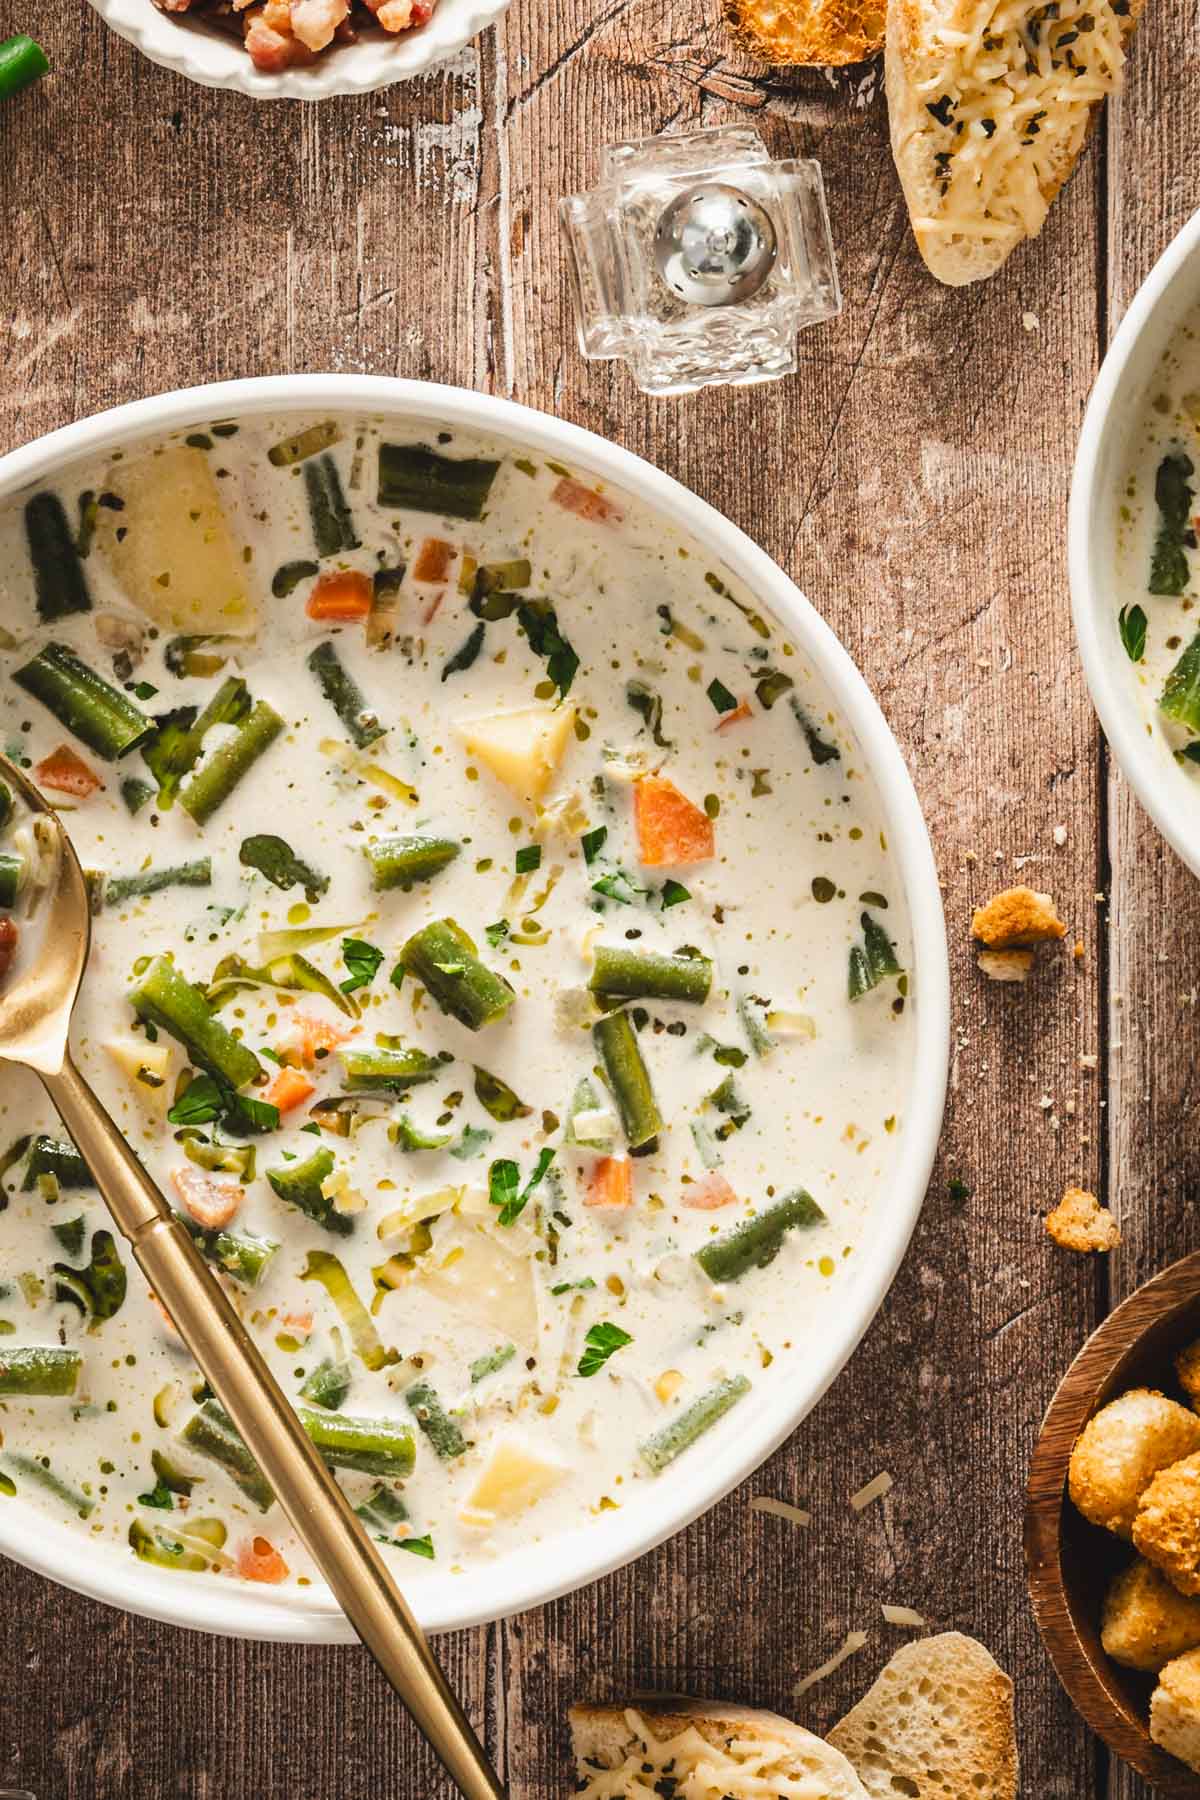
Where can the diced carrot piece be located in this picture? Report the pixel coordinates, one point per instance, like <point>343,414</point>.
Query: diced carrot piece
<point>67,773</point>
<point>287,1089</point>
<point>300,1322</point>
<point>341,594</point>
<point>431,611</point>
<point>9,937</point>
<point>586,502</point>
<point>211,1203</point>
<point>711,1191</point>
<point>743,710</point>
<point>312,1036</point>
<point>671,831</point>
<point>433,560</point>
<point>611,1183</point>
<point>259,1560</point>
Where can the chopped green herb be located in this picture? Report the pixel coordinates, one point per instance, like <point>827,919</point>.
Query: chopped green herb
<point>362,960</point>
<point>1131,622</point>
<point>721,697</point>
<point>529,858</point>
<point>600,1343</point>
<point>592,843</point>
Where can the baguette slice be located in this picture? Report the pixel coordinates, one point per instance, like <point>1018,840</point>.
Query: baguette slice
<point>989,105</point>
<point>823,32</point>
<point>710,1750</point>
<point>937,1725</point>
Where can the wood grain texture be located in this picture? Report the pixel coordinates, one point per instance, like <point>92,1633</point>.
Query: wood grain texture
<point>913,477</point>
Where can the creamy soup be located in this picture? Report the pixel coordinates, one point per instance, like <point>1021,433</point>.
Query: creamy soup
<point>498,962</point>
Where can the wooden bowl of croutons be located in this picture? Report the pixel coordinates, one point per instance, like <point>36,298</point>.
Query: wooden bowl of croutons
<point>1112,1530</point>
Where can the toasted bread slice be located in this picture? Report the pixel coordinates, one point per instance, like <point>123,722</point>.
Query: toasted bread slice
<point>937,1723</point>
<point>708,1747</point>
<point>821,32</point>
<point>989,105</point>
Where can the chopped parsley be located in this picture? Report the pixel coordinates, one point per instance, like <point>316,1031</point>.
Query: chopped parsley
<point>362,960</point>
<point>600,1343</point>
<point>1131,622</point>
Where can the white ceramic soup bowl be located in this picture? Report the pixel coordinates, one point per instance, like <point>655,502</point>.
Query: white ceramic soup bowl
<point>527,1578</point>
<point>214,58</point>
<point>1169,792</point>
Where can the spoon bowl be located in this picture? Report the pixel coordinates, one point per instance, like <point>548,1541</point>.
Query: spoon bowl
<point>35,1011</point>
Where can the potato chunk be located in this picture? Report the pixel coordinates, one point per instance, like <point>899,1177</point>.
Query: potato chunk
<point>170,548</point>
<point>1121,1450</point>
<point>522,749</point>
<point>1167,1527</point>
<point>515,1478</point>
<point>1175,1710</point>
<point>1145,1622</point>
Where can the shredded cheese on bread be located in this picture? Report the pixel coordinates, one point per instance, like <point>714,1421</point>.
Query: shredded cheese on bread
<point>710,1756</point>
<point>991,104</point>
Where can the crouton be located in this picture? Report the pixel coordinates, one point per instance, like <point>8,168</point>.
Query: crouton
<point>1145,1622</point>
<point>1175,1710</point>
<point>1166,1527</point>
<point>1017,917</point>
<point>1079,1222</point>
<point>1006,965</point>
<point>1120,1451</point>
<point>1187,1368</point>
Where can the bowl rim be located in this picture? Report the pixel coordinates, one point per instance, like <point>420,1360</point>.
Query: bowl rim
<point>529,1577</point>
<point>1139,757</point>
<point>1074,1401</point>
<point>210,59</point>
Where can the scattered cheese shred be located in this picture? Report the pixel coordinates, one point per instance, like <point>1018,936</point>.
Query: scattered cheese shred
<point>780,1509</point>
<point>875,1490</point>
<point>902,1615</point>
<point>853,1644</point>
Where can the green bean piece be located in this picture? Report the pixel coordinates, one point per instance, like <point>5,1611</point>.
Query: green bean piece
<point>163,998</point>
<point>50,1156</point>
<point>647,975</point>
<point>298,1184</point>
<point>70,1233</point>
<point>498,1099</point>
<point>31,1468</point>
<point>59,583</point>
<point>1180,698</point>
<point>12,878</point>
<point>328,1384</point>
<point>368,1446</point>
<point>442,957</point>
<point>135,793</point>
<point>241,1255</point>
<point>306,443</point>
<point>664,1445</point>
<point>408,1136</point>
<point>153,1542</point>
<point>758,1240</point>
<point>586,1100</point>
<point>491,1362</point>
<point>387,1070</point>
<point>98,714</point>
<point>1173,494</point>
<point>501,578</point>
<point>616,1042</point>
<point>7,806</point>
<point>872,961</point>
<point>274,858</point>
<point>120,888</point>
<point>216,779</point>
<point>398,862</point>
<point>384,1509</point>
<point>49,1374</point>
<point>289,575</point>
<point>420,480</point>
<point>332,522</point>
<point>211,1432</point>
<point>345,696</point>
<point>441,1430</point>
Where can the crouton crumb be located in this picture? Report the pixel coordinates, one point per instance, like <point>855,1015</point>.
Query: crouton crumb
<point>1006,965</point>
<point>1079,952</point>
<point>1187,1368</point>
<point>1079,1222</point>
<point>1017,917</point>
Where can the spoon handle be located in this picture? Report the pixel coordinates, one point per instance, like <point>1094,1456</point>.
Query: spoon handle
<point>306,1490</point>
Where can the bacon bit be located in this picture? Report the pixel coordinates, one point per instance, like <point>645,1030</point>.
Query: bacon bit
<point>212,1204</point>
<point>314,1035</point>
<point>259,1560</point>
<point>433,560</point>
<point>67,773</point>
<point>431,611</point>
<point>342,594</point>
<point>8,946</point>
<point>671,831</point>
<point>269,41</point>
<point>743,710</point>
<point>611,1183</point>
<point>708,1193</point>
<point>586,502</point>
<point>288,1089</point>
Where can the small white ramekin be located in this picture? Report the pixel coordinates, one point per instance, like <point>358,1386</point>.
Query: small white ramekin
<point>441,1600</point>
<point>1169,793</point>
<point>203,54</point>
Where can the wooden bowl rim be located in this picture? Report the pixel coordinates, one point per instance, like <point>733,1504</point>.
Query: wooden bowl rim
<point>1122,1728</point>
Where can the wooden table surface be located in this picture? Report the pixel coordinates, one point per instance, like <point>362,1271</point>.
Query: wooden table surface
<point>913,478</point>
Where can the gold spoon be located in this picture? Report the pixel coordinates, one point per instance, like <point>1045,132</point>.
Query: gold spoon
<point>35,1017</point>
